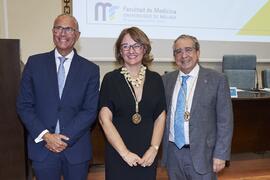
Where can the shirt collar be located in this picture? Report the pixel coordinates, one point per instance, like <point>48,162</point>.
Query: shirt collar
<point>68,57</point>
<point>193,73</point>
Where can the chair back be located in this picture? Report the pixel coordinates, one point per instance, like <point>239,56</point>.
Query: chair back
<point>240,70</point>
<point>266,78</point>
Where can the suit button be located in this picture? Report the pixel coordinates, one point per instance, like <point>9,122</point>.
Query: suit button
<point>59,109</point>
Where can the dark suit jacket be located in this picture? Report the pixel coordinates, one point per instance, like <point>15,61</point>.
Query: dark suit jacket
<point>211,123</point>
<point>39,105</point>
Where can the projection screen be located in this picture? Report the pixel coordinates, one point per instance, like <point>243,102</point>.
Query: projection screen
<point>222,27</point>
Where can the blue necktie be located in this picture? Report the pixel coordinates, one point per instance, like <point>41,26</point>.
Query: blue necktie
<point>179,137</point>
<point>61,84</point>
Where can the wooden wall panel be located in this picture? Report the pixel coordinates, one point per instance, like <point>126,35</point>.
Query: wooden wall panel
<point>12,145</point>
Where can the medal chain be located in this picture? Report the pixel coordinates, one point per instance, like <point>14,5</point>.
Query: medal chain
<point>189,95</point>
<point>134,96</point>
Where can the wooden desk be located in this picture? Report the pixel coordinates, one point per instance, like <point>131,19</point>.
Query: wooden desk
<point>251,122</point>
<point>251,126</point>
<point>98,142</point>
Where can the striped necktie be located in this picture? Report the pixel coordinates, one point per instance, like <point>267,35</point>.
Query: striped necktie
<point>179,137</point>
<point>61,84</point>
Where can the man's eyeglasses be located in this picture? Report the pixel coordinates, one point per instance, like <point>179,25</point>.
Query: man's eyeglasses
<point>135,47</point>
<point>180,51</point>
<point>60,29</point>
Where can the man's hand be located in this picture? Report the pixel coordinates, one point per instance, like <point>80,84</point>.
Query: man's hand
<point>218,165</point>
<point>55,142</point>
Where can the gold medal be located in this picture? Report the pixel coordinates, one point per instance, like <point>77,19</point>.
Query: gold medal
<point>186,115</point>
<point>136,118</point>
<point>186,100</point>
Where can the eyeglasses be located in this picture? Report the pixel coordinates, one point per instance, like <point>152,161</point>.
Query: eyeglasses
<point>60,29</point>
<point>135,47</point>
<point>180,51</point>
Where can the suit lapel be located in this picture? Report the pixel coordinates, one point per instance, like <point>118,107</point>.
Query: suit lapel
<point>171,85</point>
<point>200,86</point>
<point>170,88</point>
<point>74,67</point>
<point>52,73</point>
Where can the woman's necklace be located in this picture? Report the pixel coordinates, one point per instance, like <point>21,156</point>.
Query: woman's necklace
<point>136,118</point>
<point>134,81</point>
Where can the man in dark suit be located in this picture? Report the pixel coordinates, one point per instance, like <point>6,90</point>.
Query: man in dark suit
<point>199,126</point>
<point>57,104</point>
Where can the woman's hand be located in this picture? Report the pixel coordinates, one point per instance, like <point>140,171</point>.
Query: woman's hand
<point>131,158</point>
<point>149,157</point>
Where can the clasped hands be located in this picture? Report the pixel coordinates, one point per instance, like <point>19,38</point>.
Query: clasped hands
<point>133,159</point>
<point>55,143</point>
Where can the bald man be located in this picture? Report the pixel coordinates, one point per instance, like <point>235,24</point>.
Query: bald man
<point>57,103</point>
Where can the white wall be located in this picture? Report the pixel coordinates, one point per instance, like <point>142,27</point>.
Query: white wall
<point>31,22</point>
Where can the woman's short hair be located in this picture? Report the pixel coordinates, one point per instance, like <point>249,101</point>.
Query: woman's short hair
<point>138,36</point>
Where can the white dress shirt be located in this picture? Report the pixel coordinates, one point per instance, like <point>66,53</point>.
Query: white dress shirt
<point>66,67</point>
<point>191,85</point>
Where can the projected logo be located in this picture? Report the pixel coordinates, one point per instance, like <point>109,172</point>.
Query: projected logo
<point>105,11</point>
<point>117,12</point>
